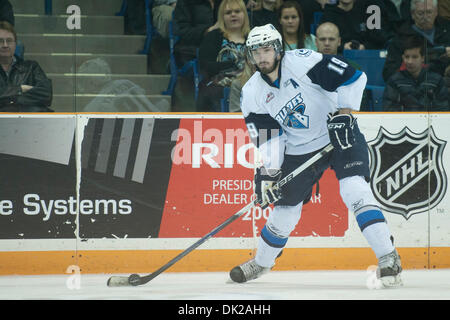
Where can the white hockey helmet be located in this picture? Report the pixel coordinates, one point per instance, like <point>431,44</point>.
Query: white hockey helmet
<point>264,36</point>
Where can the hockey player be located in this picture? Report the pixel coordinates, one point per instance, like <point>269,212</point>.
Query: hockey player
<point>294,105</point>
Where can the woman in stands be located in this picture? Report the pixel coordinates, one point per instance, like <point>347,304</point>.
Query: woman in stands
<point>292,29</point>
<point>221,54</point>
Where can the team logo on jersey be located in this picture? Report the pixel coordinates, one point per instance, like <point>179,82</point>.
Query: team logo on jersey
<point>407,172</point>
<point>293,114</point>
<point>303,52</point>
<point>269,97</point>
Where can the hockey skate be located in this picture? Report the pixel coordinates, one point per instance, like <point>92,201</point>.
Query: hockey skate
<point>389,269</point>
<point>247,271</point>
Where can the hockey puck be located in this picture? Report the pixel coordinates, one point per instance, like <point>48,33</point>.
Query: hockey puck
<point>134,279</point>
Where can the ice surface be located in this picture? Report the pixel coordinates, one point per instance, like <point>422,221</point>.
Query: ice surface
<point>277,285</point>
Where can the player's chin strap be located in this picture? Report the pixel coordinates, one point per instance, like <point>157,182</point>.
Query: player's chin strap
<point>340,130</point>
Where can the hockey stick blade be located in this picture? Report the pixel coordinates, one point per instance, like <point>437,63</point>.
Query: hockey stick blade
<point>118,281</point>
<point>136,280</point>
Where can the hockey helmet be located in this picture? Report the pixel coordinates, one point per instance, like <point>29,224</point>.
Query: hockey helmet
<point>264,36</point>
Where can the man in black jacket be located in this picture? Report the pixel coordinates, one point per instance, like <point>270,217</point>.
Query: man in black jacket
<point>192,20</point>
<point>6,12</point>
<point>415,88</point>
<point>24,86</point>
<point>437,37</point>
<point>352,19</point>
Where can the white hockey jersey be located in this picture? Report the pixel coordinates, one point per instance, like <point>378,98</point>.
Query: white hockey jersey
<point>290,115</point>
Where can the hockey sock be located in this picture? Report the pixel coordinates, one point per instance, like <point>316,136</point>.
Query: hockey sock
<point>275,233</point>
<point>358,196</point>
<point>375,229</point>
<point>269,246</point>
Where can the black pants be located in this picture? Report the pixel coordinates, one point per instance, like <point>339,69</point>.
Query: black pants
<point>348,163</point>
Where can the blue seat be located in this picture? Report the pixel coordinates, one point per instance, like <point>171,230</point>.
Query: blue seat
<point>371,62</point>
<point>190,66</point>
<point>20,49</point>
<point>317,16</point>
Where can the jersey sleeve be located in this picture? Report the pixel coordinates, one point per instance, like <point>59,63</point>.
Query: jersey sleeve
<point>264,131</point>
<point>333,74</point>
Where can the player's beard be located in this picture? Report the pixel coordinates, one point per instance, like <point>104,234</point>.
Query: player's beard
<point>268,68</point>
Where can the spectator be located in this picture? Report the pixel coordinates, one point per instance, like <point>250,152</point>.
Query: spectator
<point>351,18</point>
<point>424,13</point>
<point>398,12</point>
<point>444,9</point>
<point>266,14</point>
<point>6,12</point>
<point>24,87</point>
<point>162,13</point>
<point>328,39</point>
<point>221,54</point>
<point>309,7</point>
<point>193,19</point>
<point>415,89</point>
<point>292,29</point>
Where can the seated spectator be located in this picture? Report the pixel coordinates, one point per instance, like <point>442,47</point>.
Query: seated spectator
<point>424,13</point>
<point>267,13</point>
<point>415,88</point>
<point>221,54</point>
<point>290,25</point>
<point>6,12</point>
<point>444,9</point>
<point>162,13</point>
<point>309,7</point>
<point>193,19</point>
<point>398,12</point>
<point>328,41</point>
<point>24,86</point>
<point>351,18</point>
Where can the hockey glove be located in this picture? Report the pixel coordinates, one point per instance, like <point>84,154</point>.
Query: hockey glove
<point>340,129</point>
<point>265,189</point>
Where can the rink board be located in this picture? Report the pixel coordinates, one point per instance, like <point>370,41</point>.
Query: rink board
<point>126,193</point>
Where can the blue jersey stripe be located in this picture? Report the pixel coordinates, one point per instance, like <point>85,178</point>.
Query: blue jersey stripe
<point>355,77</point>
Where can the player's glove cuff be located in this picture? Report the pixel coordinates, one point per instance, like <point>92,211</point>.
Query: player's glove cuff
<point>340,130</point>
<point>265,186</point>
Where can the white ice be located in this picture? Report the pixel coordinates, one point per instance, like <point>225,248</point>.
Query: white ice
<point>277,285</point>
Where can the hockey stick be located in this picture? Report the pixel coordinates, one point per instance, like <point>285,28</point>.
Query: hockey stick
<point>136,280</point>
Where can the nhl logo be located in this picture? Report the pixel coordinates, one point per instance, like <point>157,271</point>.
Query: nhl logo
<point>408,176</point>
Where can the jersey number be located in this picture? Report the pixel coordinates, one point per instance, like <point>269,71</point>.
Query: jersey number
<point>337,65</point>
